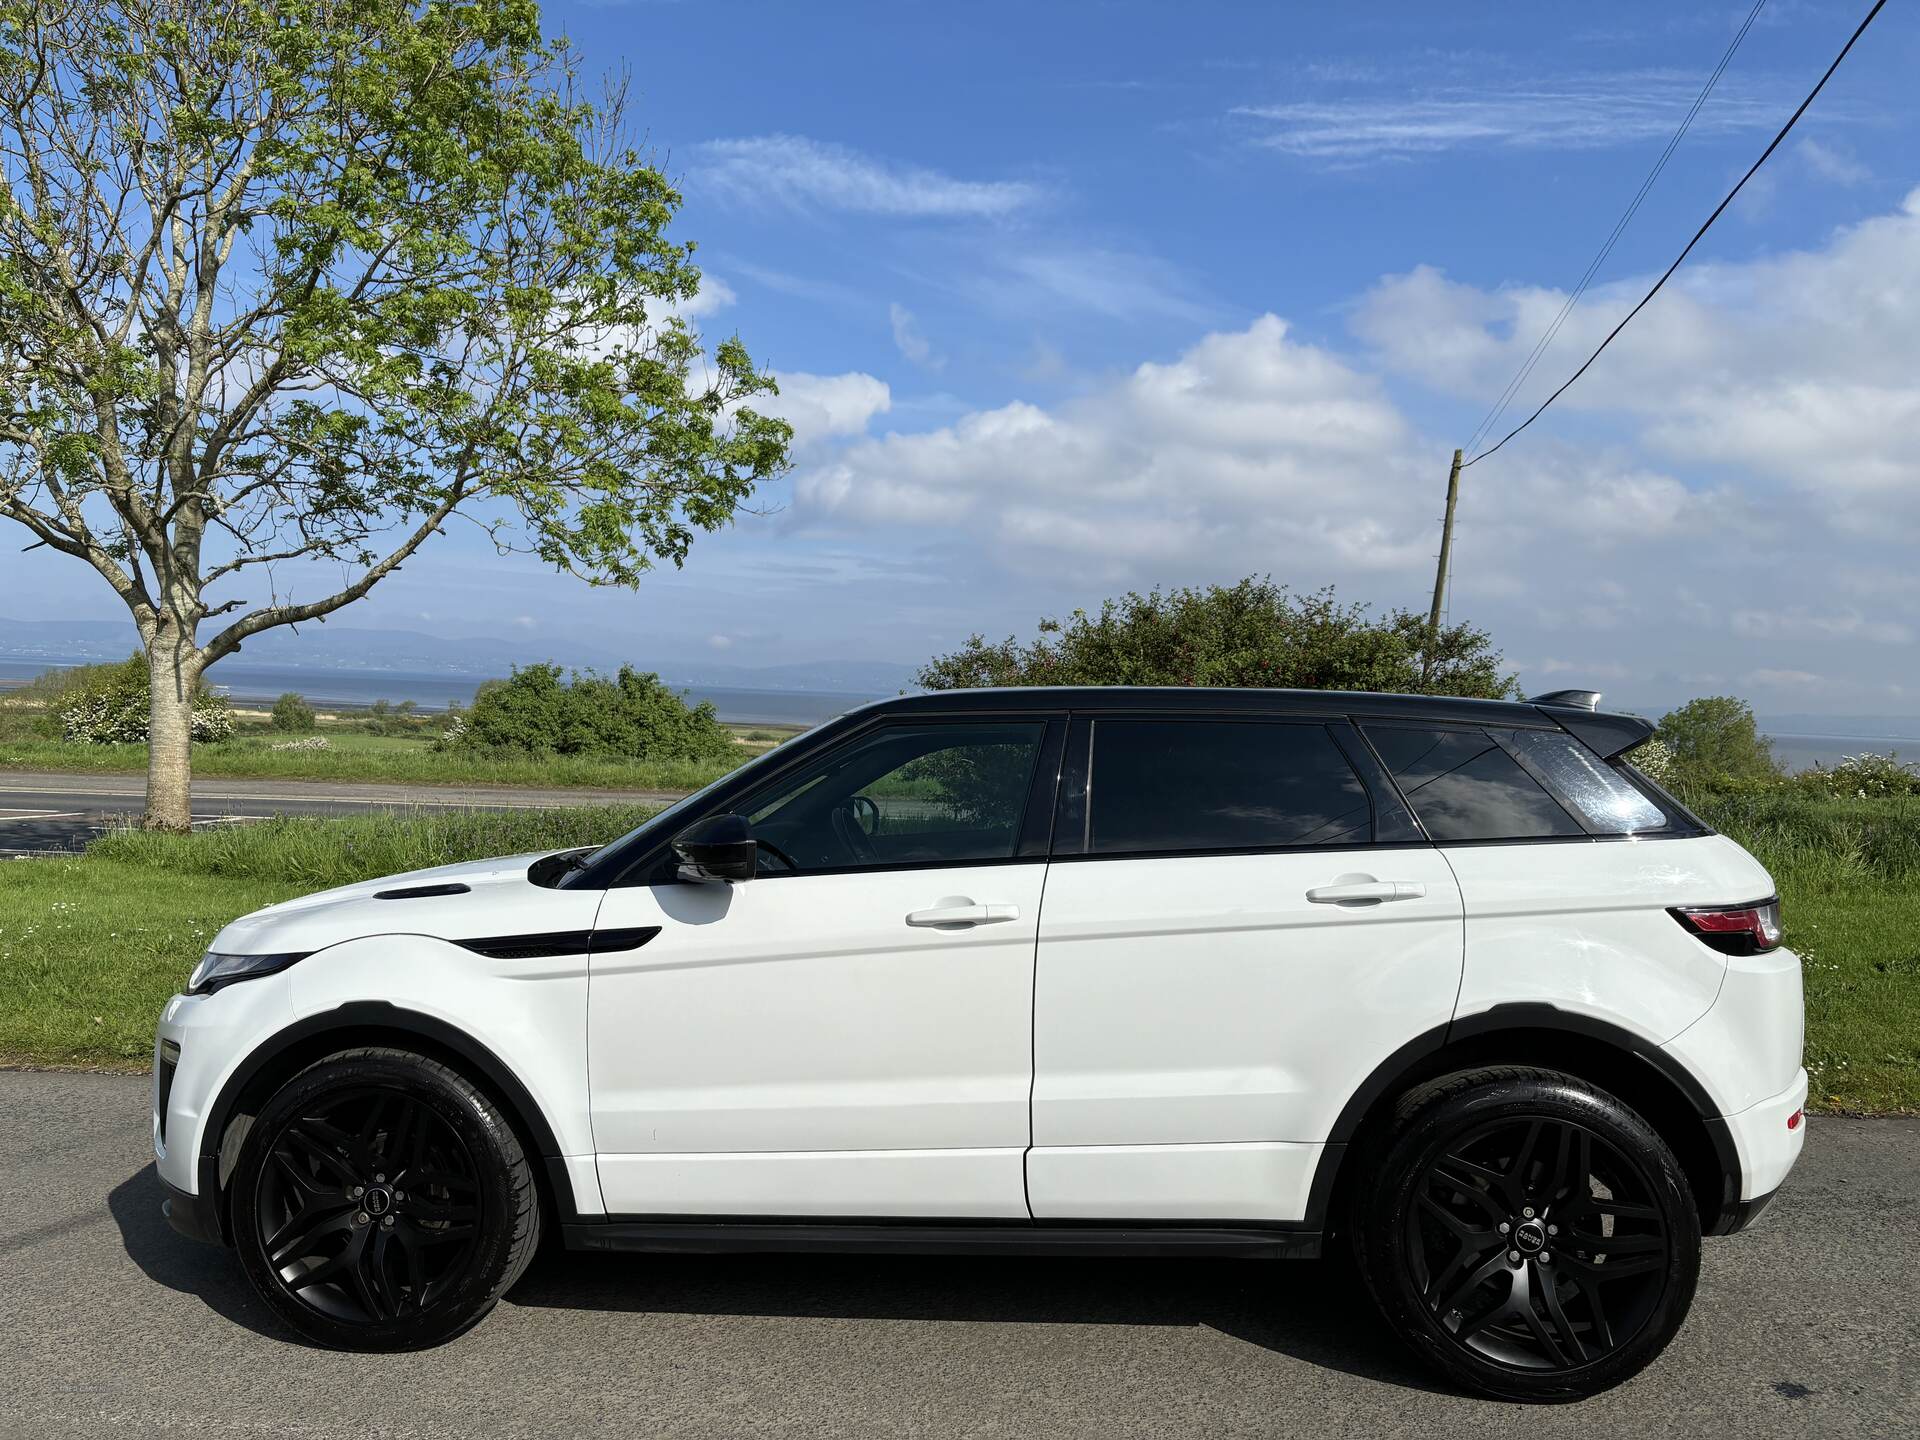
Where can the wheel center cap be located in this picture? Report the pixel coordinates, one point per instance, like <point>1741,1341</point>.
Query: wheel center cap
<point>377,1201</point>
<point>1530,1238</point>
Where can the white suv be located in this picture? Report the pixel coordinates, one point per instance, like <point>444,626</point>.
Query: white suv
<point>1049,971</point>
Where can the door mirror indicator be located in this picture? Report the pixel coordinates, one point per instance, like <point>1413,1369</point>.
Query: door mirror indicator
<point>719,849</point>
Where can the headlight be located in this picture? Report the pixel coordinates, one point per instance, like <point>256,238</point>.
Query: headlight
<point>216,972</point>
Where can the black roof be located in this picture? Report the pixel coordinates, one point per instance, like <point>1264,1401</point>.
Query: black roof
<point>1189,699</point>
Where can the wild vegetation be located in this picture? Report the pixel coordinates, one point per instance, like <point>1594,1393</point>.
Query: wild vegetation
<point>1256,632</point>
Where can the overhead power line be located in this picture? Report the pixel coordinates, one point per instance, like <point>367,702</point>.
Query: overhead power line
<point>1506,397</point>
<point>1717,212</point>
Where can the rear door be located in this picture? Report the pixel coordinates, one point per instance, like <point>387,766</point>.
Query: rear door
<point>1240,922</point>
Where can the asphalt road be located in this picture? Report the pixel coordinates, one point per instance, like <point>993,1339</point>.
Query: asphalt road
<point>110,1323</point>
<point>49,813</point>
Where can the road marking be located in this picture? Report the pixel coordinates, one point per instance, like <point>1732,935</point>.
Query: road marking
<point>40,815</point>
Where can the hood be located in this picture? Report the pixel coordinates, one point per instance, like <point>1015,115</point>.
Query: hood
<point>494,897</point>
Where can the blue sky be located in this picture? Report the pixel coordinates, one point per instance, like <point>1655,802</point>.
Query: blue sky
<point>1073,298</point>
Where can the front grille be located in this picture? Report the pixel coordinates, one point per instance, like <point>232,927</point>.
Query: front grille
<point>169,1063</point>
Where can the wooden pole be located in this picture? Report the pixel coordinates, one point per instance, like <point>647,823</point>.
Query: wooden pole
<point>1446,558</point>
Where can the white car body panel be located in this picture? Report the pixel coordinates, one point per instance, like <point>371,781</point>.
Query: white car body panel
<point>1200,1023</point>
<point>800,1024</point>
<point>531,1014</point>
<point>1152,1039</point>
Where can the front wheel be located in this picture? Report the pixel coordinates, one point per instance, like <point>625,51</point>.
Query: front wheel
<point>382,1202</point>
<point>1528,1234</point>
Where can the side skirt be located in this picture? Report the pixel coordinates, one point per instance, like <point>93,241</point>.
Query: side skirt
<point>760,1236</point>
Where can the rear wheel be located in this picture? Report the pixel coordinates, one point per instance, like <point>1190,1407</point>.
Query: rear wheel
<point>382,1202</point>
<point>1528,1234</point>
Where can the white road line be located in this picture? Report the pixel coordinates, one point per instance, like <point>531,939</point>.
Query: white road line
<point>41,815</point>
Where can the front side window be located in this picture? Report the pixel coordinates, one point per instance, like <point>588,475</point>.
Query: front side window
<point>1464,786</point>
<point>920,795</point>
<point>1200,785</point>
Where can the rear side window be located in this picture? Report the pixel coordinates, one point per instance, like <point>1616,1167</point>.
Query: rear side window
<point>1599,793</point>
<point>1463,786</point>
<point>1170,785</point>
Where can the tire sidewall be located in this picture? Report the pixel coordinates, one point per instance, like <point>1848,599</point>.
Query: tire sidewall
<point>478,1128</point>
<point>1381,1235</point>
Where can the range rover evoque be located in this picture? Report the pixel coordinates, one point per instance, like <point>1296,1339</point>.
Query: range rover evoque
<point>1039,971</point>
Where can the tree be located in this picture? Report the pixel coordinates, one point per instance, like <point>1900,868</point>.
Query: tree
<point>291,713</point>
<point>1716,738</point>
<point>1253,633</point>
<point>286,285</point>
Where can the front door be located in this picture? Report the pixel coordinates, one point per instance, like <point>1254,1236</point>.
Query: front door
<point>1246,930</point>
<point>850,1033</point>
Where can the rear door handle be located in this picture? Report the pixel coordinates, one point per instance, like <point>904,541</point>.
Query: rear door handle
<point>942,916</point>
<point>1366,892</point>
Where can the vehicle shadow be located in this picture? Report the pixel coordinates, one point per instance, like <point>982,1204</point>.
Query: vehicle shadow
<point>1314,1311</point>
<point>208,1272</point>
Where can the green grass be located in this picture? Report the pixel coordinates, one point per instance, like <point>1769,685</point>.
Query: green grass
<point>316,854</point>
<point>378,759</point>
<point>90,948</point>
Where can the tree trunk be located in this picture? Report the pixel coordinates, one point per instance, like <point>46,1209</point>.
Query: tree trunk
<point>174,672</point>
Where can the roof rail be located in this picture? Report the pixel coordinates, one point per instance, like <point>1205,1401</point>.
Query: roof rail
<point>1569,699</point>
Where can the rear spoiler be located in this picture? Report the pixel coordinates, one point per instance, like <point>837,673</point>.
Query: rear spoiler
<point>1608,735</point>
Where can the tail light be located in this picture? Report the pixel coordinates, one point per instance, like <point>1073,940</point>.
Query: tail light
<point>1734,929</point>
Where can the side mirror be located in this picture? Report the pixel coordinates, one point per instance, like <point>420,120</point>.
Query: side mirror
<point>719,848</point>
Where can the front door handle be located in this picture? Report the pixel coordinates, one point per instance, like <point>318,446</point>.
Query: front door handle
<point>961,915</point>
<point>1366,892</point>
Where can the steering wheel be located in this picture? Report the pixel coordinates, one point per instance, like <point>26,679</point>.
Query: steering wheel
<point>847,828</point>
<point>776,852</point>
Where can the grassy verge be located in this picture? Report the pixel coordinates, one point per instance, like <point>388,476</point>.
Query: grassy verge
<point>379,759</point>
<point>90,948</point>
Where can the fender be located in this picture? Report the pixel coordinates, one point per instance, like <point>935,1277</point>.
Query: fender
<point>383,1015</point>
<point>1426,1055</point>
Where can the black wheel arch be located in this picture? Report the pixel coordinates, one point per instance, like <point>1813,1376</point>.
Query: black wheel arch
<point>1655,1084</point>
<point>379,1023</point>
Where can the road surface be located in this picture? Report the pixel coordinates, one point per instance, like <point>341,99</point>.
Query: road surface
<point>111,1324</point>
<point>42,813</point>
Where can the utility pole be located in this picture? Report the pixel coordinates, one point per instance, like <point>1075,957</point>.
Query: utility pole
<point>1446,557</point>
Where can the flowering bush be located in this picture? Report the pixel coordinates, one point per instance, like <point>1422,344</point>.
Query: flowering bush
<point>1654,759</point>
<point>1865,776</point>
<point>312,742</point>
<point>109,707</point>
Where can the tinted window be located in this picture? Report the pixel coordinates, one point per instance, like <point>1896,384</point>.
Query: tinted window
<point>1600,794</point>
<point>1221,785</point>
<point>1463,786</point>
<point>901,795</point>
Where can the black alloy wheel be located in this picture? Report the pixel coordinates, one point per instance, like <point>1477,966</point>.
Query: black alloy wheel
<point>1528,1233</point>
<point>1537,1244</point>
<point>382,1202</point>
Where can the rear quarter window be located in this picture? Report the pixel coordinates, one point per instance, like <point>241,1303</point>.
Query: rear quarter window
<point>1597,792</point>
<point>1464,786</point>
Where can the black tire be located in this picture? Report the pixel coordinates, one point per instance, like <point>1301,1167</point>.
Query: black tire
<point>382,1202</point>
<point>1596,1266</point>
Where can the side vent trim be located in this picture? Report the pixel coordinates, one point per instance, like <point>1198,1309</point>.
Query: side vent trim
<point>558,942</point>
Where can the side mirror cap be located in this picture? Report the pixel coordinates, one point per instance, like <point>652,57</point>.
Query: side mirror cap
<point>717,849</point>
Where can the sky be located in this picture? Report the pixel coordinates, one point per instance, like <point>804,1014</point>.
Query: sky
<point>1068,299</point>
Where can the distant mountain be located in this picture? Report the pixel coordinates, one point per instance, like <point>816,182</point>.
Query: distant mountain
<point>336,647</point>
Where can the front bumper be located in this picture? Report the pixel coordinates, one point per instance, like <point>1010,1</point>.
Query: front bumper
<point>195,1216</point>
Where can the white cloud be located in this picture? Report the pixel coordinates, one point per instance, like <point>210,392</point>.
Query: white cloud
<point>820,407</point>
<point>795,171</point>
<point>1831,162</point>
<point>908,339</point>
<point>1796,369</point>
<point>1569,113</point>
